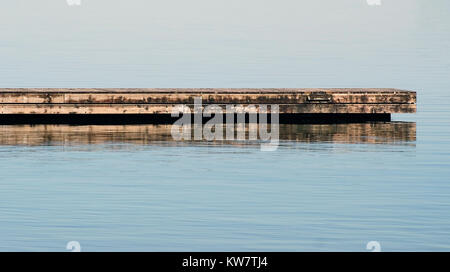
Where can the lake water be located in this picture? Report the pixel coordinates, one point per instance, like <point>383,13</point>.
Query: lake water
<point>133,188</point>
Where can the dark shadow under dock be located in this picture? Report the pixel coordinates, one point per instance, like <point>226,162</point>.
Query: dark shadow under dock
<point>124,119</point>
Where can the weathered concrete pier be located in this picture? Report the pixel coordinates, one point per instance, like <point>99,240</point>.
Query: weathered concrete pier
<point>140,103</point>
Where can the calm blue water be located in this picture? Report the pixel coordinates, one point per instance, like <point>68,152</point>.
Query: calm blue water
<point>325,188</point>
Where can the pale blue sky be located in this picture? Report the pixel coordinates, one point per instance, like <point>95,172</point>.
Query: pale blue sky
<point>210,43</point>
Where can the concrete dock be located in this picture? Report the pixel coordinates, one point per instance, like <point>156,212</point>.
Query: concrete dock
<point>143,101</point>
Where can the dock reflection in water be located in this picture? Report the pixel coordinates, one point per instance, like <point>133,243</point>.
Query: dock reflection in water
<point>55,135</point>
